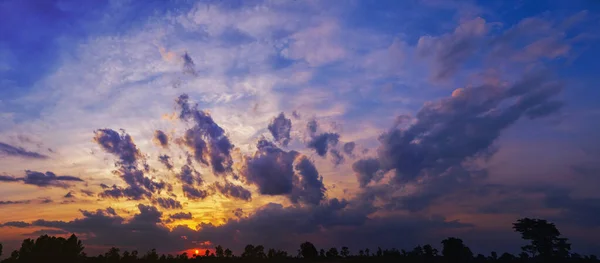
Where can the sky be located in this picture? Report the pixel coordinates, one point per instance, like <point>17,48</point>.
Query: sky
<point>181,125</point>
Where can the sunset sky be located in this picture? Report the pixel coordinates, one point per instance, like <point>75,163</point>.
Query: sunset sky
<point>181,125</point>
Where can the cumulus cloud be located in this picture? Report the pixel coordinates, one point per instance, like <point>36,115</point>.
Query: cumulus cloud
<point>367,170</point>
<point>451,51</point>
<point>9,150</point>
<point>166,161</point>
<point>229,189</point>
<point>168,203</point>
<point>278,172</point>
<point>40,179</point>
<point>161,138</point>
<point>280,128</point>
<point>139,186</point>
<point>449,133</point>
<point>321,143</point>
<point>181,215</point>
<point>207,140</point>
<point>349,148</point>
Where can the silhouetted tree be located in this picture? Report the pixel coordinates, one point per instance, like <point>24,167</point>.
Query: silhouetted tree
<point>429,253</point>
<point>308,250</point>
<point>113,254</point>
<point>248,251</point>
<point>361,253</point>
<point>379,252</point>
<point>0,249</point>
<point>455,251</point>
<point>322,253</point>
<point>367,252</point>
<point>332,253</point>
<point>545,238</point>
<point>345,252</point>
<point>228,253</point>
<point>219,251</point>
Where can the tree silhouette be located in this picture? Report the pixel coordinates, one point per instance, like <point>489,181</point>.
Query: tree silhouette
<point>0,249</point>
<point>308,250</point>
<point>332,253</point>
<point>219,251</point>
<point>228,253</point>
<point>545,238</point>
<point>455,251</point>
<point>322,253</point>
<point>113,254</point>
<point>345,252</point>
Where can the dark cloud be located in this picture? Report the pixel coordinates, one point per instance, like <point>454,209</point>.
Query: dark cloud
<point>120,145</point>
<point>139,186</point>
<point>296,115</point>
<point>51,232</point>
<point>367,170</point>
<point>161,138</point>
<point>349,148</point>
<point>321,143</point>
<point>40,179</point>
<point>206,139</point>
<point>69,195</point>
<point>87,192</point>
<point>18,224</point>
<point>452,50</point>
<point>190,176</point>
<point>194,193</point>
<point>312,126</point>
<point>280,128</point>
<point>168,203</point>
<point>166,161</point>
<point>181,215</point>
<point>19,202</point>
<point>447,135</point>
<point>235,191</point>
<point>188,65</point>
<point>278,172</point>
<point>336,157</point>
<point>9,150</point>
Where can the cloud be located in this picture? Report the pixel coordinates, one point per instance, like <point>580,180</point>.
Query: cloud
<point>69,195</point>
<point>166,161</point>
<point>19,202</point>
<point>235,191</point>
<point>336,157</point>
<point>280,128</point>
<point>321,143</point>
<point>194,193</point>
<point>9,150</point>
<point>316,45</point>
<point>120,145</point>
<point>206,138</point>
<point>367,170</point>
<point>40,179</point>
<point>168,203</point>
<point>181,215</point>
<point>161,138</point>
<point>17,224</point>
<point>451,51</point>
<point>349,148</point>
<point>188,65</point>
<point>278,172</point>
<point>139,186</point>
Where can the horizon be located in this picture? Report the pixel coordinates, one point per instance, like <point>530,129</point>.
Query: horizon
<point>182,125</point>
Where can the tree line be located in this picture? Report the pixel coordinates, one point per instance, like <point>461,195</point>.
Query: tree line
<point>545,245</point>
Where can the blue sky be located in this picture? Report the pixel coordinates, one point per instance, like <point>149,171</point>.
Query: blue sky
<point>465,115</point>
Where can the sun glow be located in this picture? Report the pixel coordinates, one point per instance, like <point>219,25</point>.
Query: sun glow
<point>196,252</point>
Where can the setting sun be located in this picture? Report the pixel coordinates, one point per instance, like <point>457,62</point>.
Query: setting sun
<point>196,252</point>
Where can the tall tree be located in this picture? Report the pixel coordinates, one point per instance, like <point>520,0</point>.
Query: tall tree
<point>455,250</point>
<point>219,251</point>
<point>308,250</point>
<point>544,237</point>
<point>345,252</point>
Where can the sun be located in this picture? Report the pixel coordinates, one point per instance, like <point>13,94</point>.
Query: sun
<point>196,252</point>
